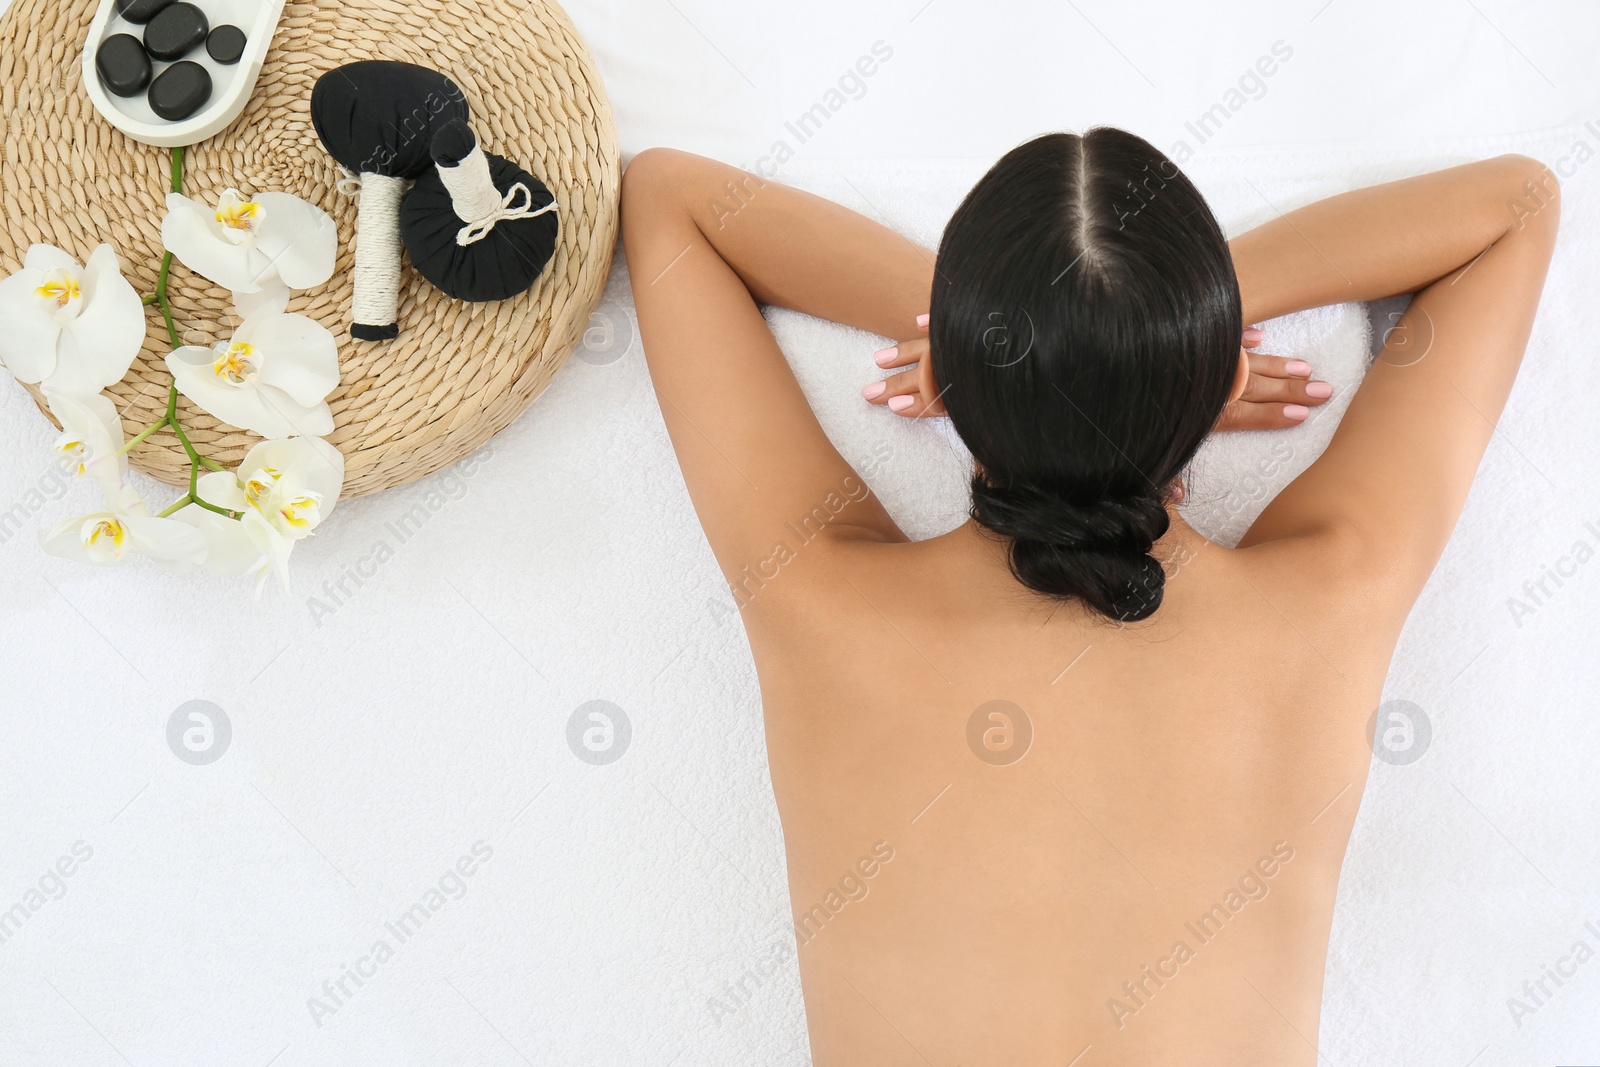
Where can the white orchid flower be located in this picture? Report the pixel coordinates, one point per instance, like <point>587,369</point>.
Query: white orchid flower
<point>74,329</point>
<point>91,437</point>
<point>124,530</point>
<point>282,491</point>
<point>260,248</point>
<point>273,377</point>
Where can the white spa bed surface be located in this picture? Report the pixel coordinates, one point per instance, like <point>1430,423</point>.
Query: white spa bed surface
<point>402,718</point>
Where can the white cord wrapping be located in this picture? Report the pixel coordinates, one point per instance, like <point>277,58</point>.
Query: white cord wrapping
<point>478,203</point>
<point>376,301</point>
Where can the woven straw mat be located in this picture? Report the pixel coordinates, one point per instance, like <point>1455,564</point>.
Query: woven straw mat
<point>458,372</point>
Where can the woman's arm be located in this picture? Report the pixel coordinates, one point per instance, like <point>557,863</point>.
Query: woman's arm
<point>1388,239</point>
<point>706,244</point>
<point>1474,243</point>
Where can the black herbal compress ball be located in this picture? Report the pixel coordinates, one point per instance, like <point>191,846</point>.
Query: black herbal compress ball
<point>377,118</point>
<point>477,225</point>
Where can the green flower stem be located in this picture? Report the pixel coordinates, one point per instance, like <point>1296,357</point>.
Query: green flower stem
<point>196,460</point>
<point>191,498</point>
<point>193,495</point>
<point>144,433</point>
<point>161,298</point>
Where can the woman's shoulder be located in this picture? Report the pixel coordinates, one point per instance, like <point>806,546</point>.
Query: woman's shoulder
<point>1326,584</point>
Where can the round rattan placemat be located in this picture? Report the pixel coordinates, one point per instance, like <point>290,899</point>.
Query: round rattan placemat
<point>458,372</point>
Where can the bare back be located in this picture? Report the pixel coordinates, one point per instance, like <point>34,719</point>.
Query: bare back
<point>1127,817</point>
<point>1016,832</point>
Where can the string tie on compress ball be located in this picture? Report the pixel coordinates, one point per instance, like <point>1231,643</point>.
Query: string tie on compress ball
<point>478,229</point>
<point>479,204</point>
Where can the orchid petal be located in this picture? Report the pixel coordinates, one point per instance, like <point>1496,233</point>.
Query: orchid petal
<point>66,539</point>
<point>28,333</point>
<point>186,233</point>
<point>248,328</point>
<point>230,550</point>
<point>312,462</point>
<point>167,541</point>
<point>273,549</point>
<point>109,537</point>
<point>222,489</point>
<point>288,417</point>
<point>298,238</point>
<point>93,422</point>
<point>268,411</point>
<point>97,348</point>
<point>43,257</point>
<point>273,298</point>
<point>125,500</point>
<point>193,374</point>
<point>299,356</point>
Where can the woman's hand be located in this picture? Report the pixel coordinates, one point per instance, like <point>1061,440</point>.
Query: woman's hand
<point>907,393</point>
<point>1278,393</point>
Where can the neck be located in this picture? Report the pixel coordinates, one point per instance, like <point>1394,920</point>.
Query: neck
<point>981,555</point>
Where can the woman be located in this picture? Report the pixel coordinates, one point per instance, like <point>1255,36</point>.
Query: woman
<point>1149,877</point>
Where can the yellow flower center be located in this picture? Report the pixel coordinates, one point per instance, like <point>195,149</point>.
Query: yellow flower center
<point>235,363</point>
<point>303,511</point>
<point>59,289</point>
<point>77,450</point>
<point>105,538</point>
<point>236,213</point>
<point>259,484</point>
<point>298,513</point>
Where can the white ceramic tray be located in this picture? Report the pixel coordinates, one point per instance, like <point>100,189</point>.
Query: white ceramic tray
<point>230,84</point>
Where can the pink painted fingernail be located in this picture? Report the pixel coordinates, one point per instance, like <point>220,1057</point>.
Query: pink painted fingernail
<point>875,390</point>
<point>1253,336</point>
<point>1319,390</point>
<point>901,402</point>
<point>922,321</point>
<point>1297,367</point>
<point>1295,411</point>
<point>884,356</point>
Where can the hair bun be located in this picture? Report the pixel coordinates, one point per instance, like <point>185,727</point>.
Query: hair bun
<point>1097,552</point>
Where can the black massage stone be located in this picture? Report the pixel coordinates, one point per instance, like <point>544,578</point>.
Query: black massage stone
<point>140,11</point>
<point>180,91</point>
<point>177,30</point>
<point>123,65</point>
<point>226,44</point>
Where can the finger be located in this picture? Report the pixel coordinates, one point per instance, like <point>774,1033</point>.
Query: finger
<point>1253,336</point>
<point>902,394</point>
<point>903,384</point>
<point>1242,415</point>
<point>915,401</point>
<point>922,322</point>
<point>903,354</point>
<point>913,406</point>
<point>1261,390</point>
<point>1279,366</point>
